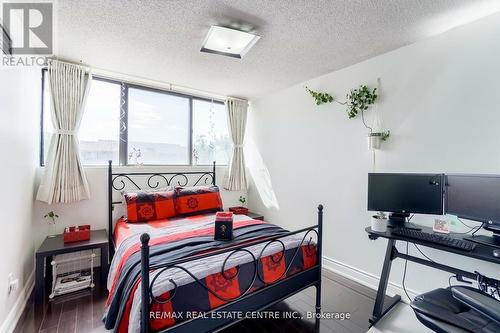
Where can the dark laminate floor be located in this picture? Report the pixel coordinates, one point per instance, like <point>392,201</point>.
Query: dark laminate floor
<point>83,312</point>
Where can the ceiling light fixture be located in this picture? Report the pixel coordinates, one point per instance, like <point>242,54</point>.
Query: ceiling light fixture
<point>228,42</point>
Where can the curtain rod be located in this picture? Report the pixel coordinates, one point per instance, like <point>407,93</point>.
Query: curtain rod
<point>131,79</point>
<point>238,99</point>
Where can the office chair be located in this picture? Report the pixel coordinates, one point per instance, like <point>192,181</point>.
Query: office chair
<point>458,310</point>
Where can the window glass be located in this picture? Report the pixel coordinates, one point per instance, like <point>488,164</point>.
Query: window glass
<point>211,140</point>
<point>99,132</point>
<point>158,128</point>
<point>47,129</point>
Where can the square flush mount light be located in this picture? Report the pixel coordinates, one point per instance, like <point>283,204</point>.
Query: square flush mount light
<point>228,42</point>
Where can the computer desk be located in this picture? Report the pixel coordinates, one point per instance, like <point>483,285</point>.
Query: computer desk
<point>481,252</point>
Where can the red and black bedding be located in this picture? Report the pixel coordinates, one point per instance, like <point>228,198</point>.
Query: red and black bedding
<point>179,238</point>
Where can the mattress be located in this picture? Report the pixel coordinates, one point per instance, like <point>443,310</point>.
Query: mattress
<point>183,237</point>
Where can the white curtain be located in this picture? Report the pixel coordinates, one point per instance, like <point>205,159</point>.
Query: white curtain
<point>64,180</point>
<point>237,113</point>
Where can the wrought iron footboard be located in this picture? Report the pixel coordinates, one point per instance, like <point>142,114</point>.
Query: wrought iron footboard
<point>295,284</point>
<point>269,294</point>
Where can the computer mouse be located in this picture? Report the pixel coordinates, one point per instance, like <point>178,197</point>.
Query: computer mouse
<point>496,253</point>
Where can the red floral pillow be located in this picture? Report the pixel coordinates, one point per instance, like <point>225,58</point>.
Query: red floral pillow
<point>144,206</point>
<point>197,200</point>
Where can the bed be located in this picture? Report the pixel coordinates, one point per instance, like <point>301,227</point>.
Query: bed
<point>170,275</point>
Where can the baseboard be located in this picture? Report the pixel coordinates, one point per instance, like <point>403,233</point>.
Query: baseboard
<point>15,313</point>
<point>366,279</point>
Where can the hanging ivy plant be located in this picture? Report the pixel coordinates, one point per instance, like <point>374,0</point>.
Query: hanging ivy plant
<point>320,97</point>
<point>359,100</point>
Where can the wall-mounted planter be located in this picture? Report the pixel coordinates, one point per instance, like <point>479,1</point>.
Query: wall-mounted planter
<point>376,138</point>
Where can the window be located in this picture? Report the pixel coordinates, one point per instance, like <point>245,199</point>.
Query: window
<point>47,128</point>
<point>158,130</point>
<point>99,127</point>
<point>155,127</point>
<point>99,132</point>
<point>210,133</point>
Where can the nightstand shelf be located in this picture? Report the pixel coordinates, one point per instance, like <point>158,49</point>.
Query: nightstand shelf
<point>55,245</point>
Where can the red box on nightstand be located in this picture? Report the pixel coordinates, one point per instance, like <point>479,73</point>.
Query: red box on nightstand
<point>239,210</point>
<point>72,234</point>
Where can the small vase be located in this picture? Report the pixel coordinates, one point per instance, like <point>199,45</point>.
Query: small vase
<point>52,230</point>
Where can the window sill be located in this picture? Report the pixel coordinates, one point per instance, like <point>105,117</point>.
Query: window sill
<point>150,166</point>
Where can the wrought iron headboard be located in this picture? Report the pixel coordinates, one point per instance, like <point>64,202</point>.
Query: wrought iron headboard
<point>118,181</point>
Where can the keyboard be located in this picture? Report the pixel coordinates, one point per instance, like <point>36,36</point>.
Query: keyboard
<point>444,240</point>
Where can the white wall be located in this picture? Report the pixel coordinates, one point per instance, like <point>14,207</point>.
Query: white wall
<point>440,99</point>
<point>19,132</point>
<point>94,211</point>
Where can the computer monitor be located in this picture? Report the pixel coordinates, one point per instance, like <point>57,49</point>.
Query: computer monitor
<point>476,198</point>
<point>405,193</point>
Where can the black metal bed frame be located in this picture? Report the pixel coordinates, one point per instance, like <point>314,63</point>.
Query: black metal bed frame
<point>258,300</point>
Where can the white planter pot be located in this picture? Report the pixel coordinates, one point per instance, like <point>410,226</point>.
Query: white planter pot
<point>374,140</point>
<point>379,224</point>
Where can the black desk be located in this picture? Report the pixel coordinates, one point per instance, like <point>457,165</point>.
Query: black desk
<point>55,245</point>
<point>481,252</point>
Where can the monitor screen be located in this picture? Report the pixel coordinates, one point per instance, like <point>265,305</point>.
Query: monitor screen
<point>474,197</point>
<point>405,193</point>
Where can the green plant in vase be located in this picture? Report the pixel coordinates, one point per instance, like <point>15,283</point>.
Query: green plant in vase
<point>51,218</point>
<point>243,201</point>
<point>358,100</point>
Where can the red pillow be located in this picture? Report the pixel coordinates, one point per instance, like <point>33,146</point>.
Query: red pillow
<point>143,206</point>
<point>197,200</point>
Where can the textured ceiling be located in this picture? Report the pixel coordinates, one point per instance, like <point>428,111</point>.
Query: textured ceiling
<point>160,40</point>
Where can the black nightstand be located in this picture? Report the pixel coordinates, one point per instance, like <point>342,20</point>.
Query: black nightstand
<point>256,216</point>
<point>55,245</point>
